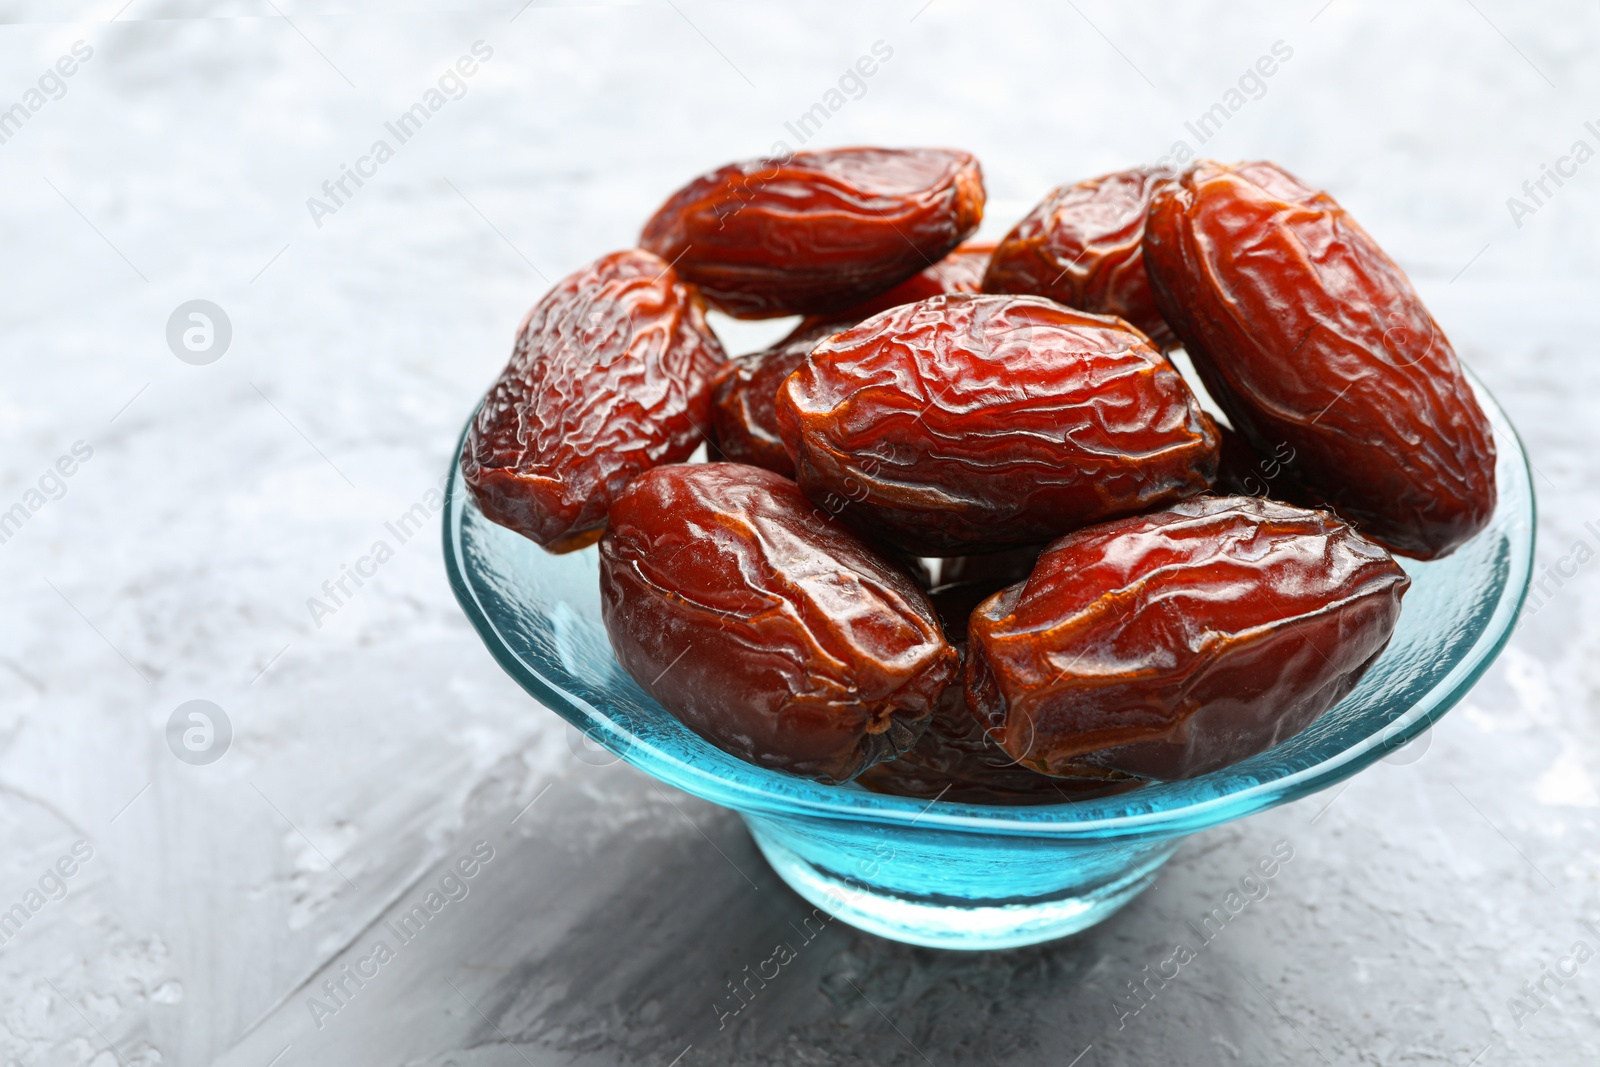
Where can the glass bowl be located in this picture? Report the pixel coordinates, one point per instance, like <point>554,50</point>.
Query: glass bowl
<point>968,876</point>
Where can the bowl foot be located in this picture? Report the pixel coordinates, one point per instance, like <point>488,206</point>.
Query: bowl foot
<point>955,924</point>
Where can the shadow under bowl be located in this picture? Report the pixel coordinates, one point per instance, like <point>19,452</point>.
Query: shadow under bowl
<point>969,876</point>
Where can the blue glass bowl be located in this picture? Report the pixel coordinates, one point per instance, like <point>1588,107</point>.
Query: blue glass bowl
<point>971,876</point>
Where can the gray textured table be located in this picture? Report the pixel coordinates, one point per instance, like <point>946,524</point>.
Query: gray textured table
<point>179,911</point>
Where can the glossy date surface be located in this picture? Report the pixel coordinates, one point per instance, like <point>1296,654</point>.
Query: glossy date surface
<point>1309,337</point>
<point>971,423</point>
<point>765,627</point>
<point>818,231</point>
<point>1083,246</point>
<point>1175,643</point>
<point>610,375</point>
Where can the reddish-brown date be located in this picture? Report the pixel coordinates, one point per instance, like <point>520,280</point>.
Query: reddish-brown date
<point>1171,644</point>
<point>744,393</point>
<point>969,423</point>
<point>1082,246</point>
<point>816,232</point>
<point>765,627</point>
<point>1308,335</point>
<point>744,419</point>
<point>611,375</point>
<point>956,760</point>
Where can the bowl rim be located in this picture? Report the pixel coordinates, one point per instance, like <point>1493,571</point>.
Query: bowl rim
<point>1171,815</point>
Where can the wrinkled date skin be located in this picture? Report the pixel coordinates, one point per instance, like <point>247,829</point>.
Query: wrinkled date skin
<point>969,423</point>
<point>744,394</point>
<point>744,416</point>
<point>766,628</point>
<point>957,761</point>
<point>611,375</point>
<point>1175,643</point>
<point>1309,336</point>
<point>818,231</point>
<point>1083,247</point>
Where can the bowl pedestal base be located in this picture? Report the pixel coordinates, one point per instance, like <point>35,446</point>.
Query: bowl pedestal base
<point>1092,882</point>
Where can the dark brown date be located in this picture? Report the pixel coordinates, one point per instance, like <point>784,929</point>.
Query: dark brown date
<point>1172,644</point>
<point>611,375</point>
<point>992,569</point>
<point>1083,247</point>
<point>970,423</point>
<point>767,628</point>
<point>1243,471</point>
<point>744,419</point>
<point>1307,335</point>
<point>816,232</point>
<point>957,761</point>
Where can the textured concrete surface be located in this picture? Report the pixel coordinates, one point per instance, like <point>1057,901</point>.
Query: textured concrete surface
<point>375,746</point>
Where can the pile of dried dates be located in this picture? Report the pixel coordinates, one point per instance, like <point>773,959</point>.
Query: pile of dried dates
<point>967,531</point>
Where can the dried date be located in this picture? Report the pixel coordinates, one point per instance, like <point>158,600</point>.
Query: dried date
<point>969,423</point>
<point>1171,644</point>
<point>742,407</point>
<point>1308,335</point>
<point>764,626</point>
<point>816,232</point>
<point>957,761</point>
<point>1083,247</point>
<point>611,375</point>
<point>744,418</point>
